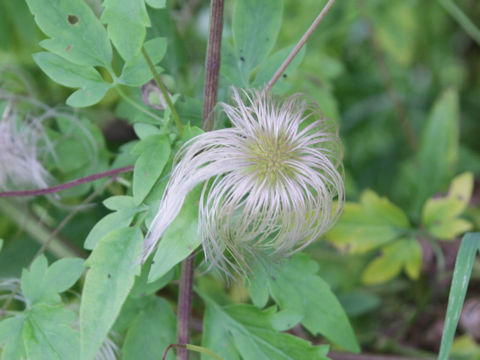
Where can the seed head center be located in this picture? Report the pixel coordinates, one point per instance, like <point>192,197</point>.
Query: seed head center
<point>270,156</point>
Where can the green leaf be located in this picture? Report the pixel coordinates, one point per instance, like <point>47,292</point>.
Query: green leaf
<point>47,334</point>
<point>156,4</point>
<point>75,32</point>
<point>42,283</point>
<point>136,72</point>
<point>11,338</point>
<point>119,202</point>
<point>439,215</point>
<point>113,265</point>
<point>230,74</point>
<point>255,29</point>
<point>142,287</point>
<point>270,67</point>
<point>180,239</point>
<point>126,21</point>
<point>438,151</point>
<point>158,321</point>
<point>458,289</point>
<point>70,154</point>
<point>107,224</point>
<point>63,274</point>
<point>32,279</point>
<point>245,332</point>
<point>303,295</point>
<point>150,164</point>
<point>368,224</point>
<point>403,253</point>
<point>1,244</point>
<point>92,86</point>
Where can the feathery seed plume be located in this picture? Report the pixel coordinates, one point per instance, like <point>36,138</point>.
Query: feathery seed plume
<point>269,181</point>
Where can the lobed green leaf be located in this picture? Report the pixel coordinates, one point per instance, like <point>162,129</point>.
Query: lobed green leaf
<point>75,32</point>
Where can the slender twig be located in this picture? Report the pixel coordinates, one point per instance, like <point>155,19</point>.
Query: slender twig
<point>400,111</point>
<point>163,89</point>
<point>67,185</point>
<point>212,64</point>
<point>300,44</point>
<point>461,18</point>
<point>54,233</point>
<point>209,101</point>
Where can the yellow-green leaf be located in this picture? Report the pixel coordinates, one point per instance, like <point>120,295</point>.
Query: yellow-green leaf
<point>440,215</point>
<point>402,254</point>
<point>459,194</point>
<point>368,224</point>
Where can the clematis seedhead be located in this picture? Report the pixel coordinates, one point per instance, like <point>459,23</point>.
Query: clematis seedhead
<point>273,182</point>
<point>19,164</point>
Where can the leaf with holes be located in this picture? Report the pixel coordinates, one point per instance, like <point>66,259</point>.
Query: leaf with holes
<point>255,28</point>
<point>75,32</point>
<point>271,65</point>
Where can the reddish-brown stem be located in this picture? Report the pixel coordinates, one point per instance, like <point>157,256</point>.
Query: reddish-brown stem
<point>212,65</point>
<point>300,44</point>
<point>185,305</point>
<point>67,185</point>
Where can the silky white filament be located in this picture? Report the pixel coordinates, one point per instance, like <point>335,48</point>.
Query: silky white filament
<point>270,180</point>
<point>19,165</point>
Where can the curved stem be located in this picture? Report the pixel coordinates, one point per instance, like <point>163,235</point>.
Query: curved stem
<point>164,91</point>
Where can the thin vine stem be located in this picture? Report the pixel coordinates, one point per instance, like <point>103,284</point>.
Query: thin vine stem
<point>67,185</point>
<point>300,44</point>
<point>164,91</point>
